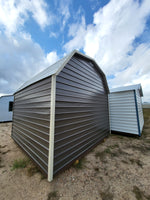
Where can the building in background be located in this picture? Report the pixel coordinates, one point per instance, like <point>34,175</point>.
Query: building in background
<point>125,108</point>
<point>6,108</point>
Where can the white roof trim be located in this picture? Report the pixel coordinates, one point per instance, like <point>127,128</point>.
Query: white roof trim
<point>128,88</point>
<point>7,95</point>
<point>53,69</point>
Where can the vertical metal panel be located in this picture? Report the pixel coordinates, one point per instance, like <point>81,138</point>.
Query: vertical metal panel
<point>81,115</point>
<point>31,119</point>
<point>140,110</point>
<point>122,112</point>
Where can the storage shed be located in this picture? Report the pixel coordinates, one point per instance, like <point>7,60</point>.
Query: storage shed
<point>6,107</point>
<point>62,112</point>
<point>125,108</point>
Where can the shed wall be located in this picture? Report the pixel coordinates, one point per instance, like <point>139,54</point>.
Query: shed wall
<point>81,115</point>
<point>5,114</point>
<point>140,110</point>
<point>122,111</point>
<point>31,120</point>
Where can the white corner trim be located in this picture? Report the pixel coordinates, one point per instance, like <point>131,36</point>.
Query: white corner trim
<point>109,113</point>
<point>66,61</point>
<point>52,129</point>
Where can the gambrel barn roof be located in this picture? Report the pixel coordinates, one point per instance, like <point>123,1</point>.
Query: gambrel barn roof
<point>57,67</point>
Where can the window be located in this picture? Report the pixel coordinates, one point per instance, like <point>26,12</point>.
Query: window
<point>10,106</point>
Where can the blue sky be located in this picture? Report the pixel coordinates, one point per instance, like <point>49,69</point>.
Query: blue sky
<point>35,34</point>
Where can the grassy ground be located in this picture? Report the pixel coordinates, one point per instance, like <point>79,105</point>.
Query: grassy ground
<point>117,169</point>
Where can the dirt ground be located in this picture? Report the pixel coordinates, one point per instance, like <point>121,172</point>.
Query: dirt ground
<point>117,169</point>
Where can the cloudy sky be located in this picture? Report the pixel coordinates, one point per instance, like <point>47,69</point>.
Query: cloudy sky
<point>34,34</point>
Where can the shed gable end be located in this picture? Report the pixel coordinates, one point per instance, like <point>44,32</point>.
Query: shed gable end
<point>81,115</point>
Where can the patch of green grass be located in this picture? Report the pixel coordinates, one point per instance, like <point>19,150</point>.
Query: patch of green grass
<point>80,164</point>
<point>20,163</point>
<point>53,196</point>
<point>100,155</point>
<point>138,193</point>
<point>107,150</point>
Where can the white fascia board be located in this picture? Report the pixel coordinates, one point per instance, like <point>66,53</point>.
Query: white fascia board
<point>109,113</point>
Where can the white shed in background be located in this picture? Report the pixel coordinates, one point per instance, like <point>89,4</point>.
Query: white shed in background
<point>6,106</point>
<point>125,109</point>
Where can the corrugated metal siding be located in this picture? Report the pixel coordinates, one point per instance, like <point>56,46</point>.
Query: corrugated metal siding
<point>122,111</point>
<point>140,110</point>
<point>82,117</point>
<point>31,119</point>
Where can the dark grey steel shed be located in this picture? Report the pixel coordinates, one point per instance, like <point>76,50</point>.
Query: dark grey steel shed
<point>62,112</point>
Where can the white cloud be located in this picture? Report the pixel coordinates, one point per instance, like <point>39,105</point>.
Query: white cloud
<point>53,34</point>
<point>38,8</point>
<point>77,31</point>
<point>110,40</point>
<point>137,72</point>
<point>64,12</point>
<point>52,57</point>
<point>21,59</point>
<point>13,14</point>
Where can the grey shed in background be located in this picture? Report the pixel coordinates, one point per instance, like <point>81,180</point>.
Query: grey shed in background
<point>6,108</point>
<point>62,112</point>
<point>125,108</point>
